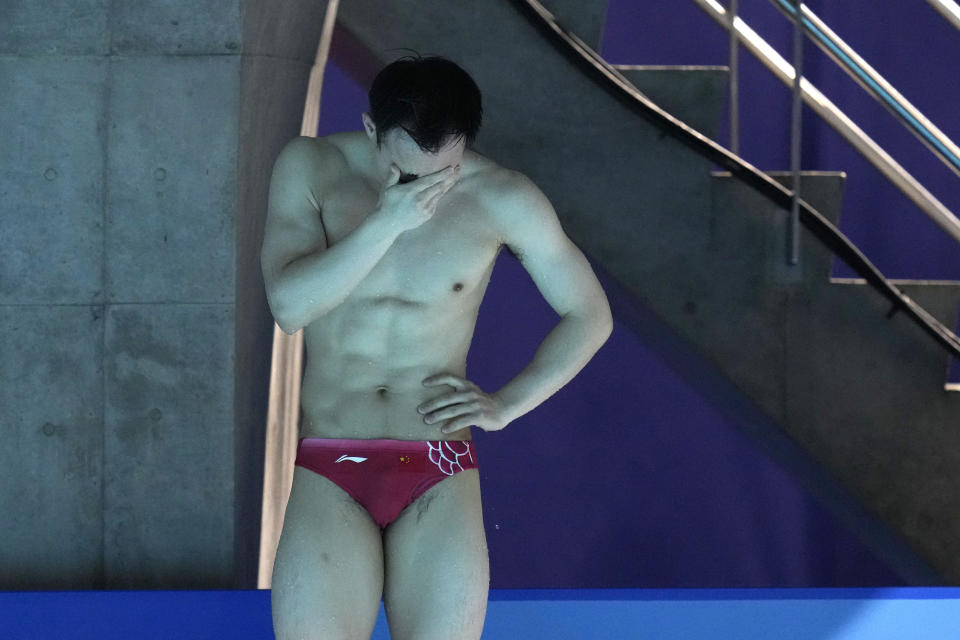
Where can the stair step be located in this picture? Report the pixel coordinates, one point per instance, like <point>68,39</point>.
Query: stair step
<point>694,94</point>
<point>747,228</point>
<point>941,299</point>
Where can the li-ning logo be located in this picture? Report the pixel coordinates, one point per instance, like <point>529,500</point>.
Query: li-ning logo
<point>351,458</point>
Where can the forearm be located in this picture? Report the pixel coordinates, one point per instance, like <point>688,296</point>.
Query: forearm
<point>313,284</point>
<point>563,353</point>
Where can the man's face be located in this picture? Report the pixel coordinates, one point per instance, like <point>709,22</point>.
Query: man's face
<point>400,149</point>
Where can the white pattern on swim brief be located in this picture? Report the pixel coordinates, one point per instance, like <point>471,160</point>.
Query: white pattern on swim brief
<point>438,455</point>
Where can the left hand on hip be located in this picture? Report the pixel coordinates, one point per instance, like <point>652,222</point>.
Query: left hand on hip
<point>467,405</point>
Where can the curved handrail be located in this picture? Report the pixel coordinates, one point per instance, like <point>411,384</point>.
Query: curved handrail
<point>287,357</point>
<point>874,84</point>
<point>608,78</point>
<point>948,9</point>
<point>837,119</point>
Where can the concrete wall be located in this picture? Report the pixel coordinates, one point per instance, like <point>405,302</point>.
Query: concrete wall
<point>138,144</point>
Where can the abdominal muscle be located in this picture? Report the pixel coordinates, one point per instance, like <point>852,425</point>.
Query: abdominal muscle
<point>366,362</point>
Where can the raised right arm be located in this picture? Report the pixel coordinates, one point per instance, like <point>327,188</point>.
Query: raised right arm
<point>304,277</point>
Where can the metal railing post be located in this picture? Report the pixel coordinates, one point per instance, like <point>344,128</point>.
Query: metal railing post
<point>836,118</point>
<point>796,120</point>
<point>873,83</point>
<point>734,81</point>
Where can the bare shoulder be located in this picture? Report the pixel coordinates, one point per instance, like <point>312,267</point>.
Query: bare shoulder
<point>524,216</point>
<point>510,189</point>
<point>498,186</point>
<point>304,174</point>
<point>335,144</point>
<point>515,186</point>
<point>308,149</point>
<point>531,230</point>
<point>311,164</point>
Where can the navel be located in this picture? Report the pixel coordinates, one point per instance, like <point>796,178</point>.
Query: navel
<point>382,390</point>
<point>458,286</point>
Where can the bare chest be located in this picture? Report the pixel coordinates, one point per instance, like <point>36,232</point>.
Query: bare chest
<point>441,261</point>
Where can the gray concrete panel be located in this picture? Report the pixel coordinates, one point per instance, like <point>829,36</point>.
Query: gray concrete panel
<point>168,446</point>
<point>493,60</point>
<point>172,190</point>
<point>861,393</point>
<point>288,29</point>
<point>54,27</point>
<point>866,397</point>
<point>695,95</point>
<point>939,298</point>
<point>51,390</point>
<point>433,27</point>
<point>51,180</point>
<point>121,183</point>
<point>175,27</point>
<point>584,19</point>
<point>736,308</point>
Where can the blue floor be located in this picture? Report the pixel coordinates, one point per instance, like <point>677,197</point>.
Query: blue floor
<point>895,613</point>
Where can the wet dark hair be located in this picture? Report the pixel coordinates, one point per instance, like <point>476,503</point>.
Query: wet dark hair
<point>430,98</point>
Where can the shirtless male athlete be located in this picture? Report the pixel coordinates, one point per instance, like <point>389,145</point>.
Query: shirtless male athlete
<point>379,244</point>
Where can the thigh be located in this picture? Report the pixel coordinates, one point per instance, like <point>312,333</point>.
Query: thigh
<point>328,573</point>
<point>437,566</point>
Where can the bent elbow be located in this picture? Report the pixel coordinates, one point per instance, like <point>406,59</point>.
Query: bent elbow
<point>285,325</point>
<point>281,319</point>
<point>288,329</point>
<point>605,333</point>
<point>608,330</point>
<point>288,324</point>
<point>606,326</point>
<point>291,325</point>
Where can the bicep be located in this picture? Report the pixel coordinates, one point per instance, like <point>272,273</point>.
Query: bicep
<point>294,226</point>
<point>556,265</point>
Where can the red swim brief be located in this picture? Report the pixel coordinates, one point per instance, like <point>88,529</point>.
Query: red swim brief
<point>385,476</point>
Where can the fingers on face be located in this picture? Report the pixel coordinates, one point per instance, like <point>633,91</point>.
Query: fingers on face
<point>439,187</point>
<point>435,199</point>
<point>447,175</point>
<point>445,184</point>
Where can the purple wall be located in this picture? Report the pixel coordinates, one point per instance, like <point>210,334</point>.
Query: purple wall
<point>627,477</point>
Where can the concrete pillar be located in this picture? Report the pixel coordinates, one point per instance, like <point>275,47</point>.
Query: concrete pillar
<point>138,141</point>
